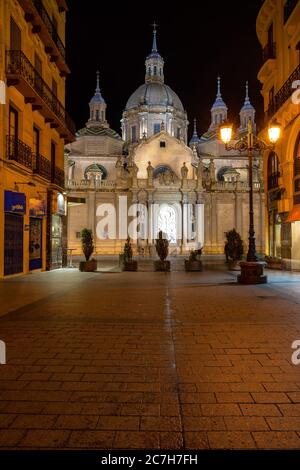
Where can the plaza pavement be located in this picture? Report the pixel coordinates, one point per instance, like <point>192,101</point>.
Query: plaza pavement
<point>149,360</point>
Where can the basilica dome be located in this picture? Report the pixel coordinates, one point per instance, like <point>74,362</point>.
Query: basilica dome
<point>154,106</point>
<point>154,94</point>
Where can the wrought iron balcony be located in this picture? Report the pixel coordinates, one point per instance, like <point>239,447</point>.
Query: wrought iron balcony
<point>58,177</point>
<point>289,8</point>
<point>18,151</point>
<point>21,74</point>
<point>269,52</point>
<point>284,93</point>
<point>42,24</point>
<point>50,26</point>
<point>42,166</point>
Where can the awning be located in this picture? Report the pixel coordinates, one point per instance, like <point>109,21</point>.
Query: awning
<point>294,215</point>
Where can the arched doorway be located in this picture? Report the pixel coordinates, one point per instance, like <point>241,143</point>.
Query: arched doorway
<point>167,223</point>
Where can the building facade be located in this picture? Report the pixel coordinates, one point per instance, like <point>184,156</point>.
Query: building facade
<point>193,192</point>
<point>278,30</point>
<point>34,128</point>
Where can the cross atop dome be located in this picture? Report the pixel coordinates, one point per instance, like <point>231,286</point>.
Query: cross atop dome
<point>154,43</point>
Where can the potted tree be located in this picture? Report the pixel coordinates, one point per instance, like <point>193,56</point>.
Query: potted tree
<point>233,249</point>
<point>273,262</point>
<point>126,261</point>
<point>162,249</point>
<point>194,262</point>
<point>87,244</point>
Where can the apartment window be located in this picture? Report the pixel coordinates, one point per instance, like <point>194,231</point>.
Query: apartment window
<point>270,36</point>
<point>36,140</point>
<point>15,36</point>
<point>53,160</point>
<point>54,87</point>
<point>271,96</point>
<point>38,72</point>
<point>156,128</point>
<point>13,122</point>
<point>273,171</point>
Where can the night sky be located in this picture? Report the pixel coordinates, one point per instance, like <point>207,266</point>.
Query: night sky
<point>196,42</point>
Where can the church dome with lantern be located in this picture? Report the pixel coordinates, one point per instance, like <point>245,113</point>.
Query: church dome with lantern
<point>154,105</point>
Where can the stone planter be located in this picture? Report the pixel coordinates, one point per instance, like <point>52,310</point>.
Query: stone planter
<point>274,264</point>
<point>130,265</point>
<point>193,265</point>
<point>162,265</point>
<point>88,266</point>
<point>233,265</point>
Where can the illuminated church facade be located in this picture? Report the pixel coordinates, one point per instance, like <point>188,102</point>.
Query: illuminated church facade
<point>151,178</point>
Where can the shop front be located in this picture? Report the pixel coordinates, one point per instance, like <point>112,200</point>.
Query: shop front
<point>37,211</point>
<point>14,211</point>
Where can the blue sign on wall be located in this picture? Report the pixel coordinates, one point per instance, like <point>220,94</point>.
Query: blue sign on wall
<point>14,202</point>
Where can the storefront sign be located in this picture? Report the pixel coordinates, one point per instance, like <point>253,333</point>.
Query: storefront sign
<point>37,207</point>
<point>14,202</point>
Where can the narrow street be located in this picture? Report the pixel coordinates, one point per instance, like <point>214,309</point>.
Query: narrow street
<point>149,360</point>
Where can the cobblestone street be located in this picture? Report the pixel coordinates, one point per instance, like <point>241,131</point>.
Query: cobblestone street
<point>149,360</point>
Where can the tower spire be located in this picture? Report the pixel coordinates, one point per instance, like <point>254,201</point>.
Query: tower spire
<point>98,82</point>
<point>154,42</point>
<point>247,93</point>
<point>219,109</point>
<point>154,62</point>
<point>219,87</point>
<point>195,138</point>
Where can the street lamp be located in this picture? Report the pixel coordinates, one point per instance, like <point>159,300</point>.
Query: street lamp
<point>252,269</point>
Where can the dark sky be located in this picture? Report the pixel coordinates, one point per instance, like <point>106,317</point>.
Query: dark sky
<point>196,42</point>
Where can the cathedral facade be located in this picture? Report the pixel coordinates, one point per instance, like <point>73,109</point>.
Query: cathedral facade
<point>152,179</point>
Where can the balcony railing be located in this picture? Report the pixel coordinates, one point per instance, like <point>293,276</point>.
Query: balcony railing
<point>289,8</point>
<point>297,166</point>
<point>19,67</point>
<point>269,52</point>
<point>58,177</point>
<point>18,151</point>
<point>284,93</point>
<point>42,166</point>
<point>50,26</point>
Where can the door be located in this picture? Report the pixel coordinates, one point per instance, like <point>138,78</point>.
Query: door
<point>35,243</point>
<point>15,36</point>
<point>13,244</point>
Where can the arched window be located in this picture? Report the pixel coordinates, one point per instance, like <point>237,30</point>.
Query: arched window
<point>155,69</point>
<point>273,171</point>
<point>297,170</point>
<point>97,114</point>
<point>297,157</point>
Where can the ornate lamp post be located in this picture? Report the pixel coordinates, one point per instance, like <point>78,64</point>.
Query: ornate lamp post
<point>252,269</point>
